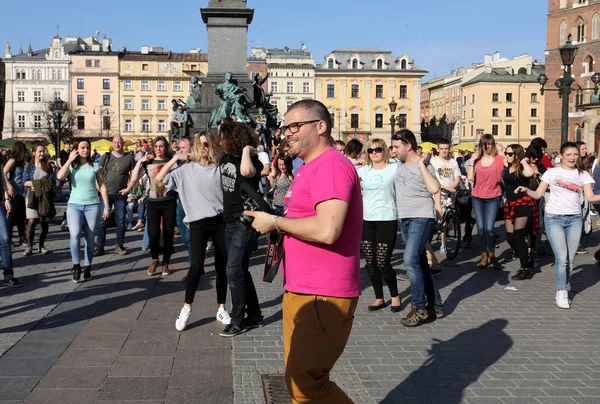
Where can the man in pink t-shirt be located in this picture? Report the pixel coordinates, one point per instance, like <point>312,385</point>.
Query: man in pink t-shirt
<point>321,276</point>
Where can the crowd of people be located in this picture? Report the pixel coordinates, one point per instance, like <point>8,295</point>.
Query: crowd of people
<point>330,203</point>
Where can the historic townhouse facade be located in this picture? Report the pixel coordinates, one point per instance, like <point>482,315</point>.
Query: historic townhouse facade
<point>357,86</point>
<point>148,81</point>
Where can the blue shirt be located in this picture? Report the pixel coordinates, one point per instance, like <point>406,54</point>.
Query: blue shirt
<point>83,181</point>
<point>379,193</point>
<point>296,164</point>
<point>180,116</point>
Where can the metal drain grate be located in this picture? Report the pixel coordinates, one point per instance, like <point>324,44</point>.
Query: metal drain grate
<point>275,389</point>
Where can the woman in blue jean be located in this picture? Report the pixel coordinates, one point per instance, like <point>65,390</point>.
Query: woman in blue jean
<point>563,219</point>
<point>83,210</point>
<point>5,245</point>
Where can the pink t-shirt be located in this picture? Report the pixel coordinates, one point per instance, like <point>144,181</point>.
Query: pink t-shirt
<point>488,179</point>
<point>319,269</point>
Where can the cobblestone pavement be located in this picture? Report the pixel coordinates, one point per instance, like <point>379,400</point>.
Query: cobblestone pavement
<point>112,339</point>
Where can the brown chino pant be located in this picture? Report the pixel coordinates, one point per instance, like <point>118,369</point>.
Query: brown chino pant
<point>315,332</point>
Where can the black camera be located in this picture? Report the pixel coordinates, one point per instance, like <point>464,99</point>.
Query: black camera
<point>253,202</point>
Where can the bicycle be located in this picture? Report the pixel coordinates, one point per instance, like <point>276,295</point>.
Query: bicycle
<point>449,224</point>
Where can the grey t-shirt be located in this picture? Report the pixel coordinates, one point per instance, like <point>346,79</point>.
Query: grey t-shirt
<point>117,171</point>
<point>412,198</point>
<point>199,189</point>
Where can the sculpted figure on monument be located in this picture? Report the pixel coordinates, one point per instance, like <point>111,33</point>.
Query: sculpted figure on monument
<point>193,101</point>
<point>262,100</point>
<point>233,100</point>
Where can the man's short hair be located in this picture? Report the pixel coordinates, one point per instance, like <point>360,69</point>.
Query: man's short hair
<point>186,138</point>
<point>444,141</point>
<point>317,109</point>
<point>540,142</point>
<point>408,137</point>
<point>173,100</point>
<point>339,143</point>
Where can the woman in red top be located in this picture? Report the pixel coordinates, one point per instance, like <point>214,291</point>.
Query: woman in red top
<point>486,172</point>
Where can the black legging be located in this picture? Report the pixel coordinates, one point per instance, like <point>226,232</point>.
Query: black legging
<point>200,232</point>
<point>31,223</point>
<point>517,232</point>
<point>17,216</point>
<point>378,241</point>
<point>165,210</point>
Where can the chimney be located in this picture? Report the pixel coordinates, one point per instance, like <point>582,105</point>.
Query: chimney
<point>303,47</point>
<point>487,59</point>
<point>106,45</point>
<point>496,57</point>
<point>195,50</point>
<point>7,52</point>
<point>145,50</point>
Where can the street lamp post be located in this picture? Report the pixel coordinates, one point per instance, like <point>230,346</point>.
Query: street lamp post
<point>393,106</point>
<point>57,111</point>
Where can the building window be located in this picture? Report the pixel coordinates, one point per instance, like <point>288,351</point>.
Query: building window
<point>37,121</point>
<point>590,64</point>
<point>274,88</point>
<point>106,100</point>
<point>128,85</point>
<point>508,130</point>
<point>495,130</point>
<point>128,125</point>
<point>145,85</point>
<point>145,67</point>
<point>80,100</point>
<point>162,125</point>
<point>563,3</point>
<point>472,113</point>
<point>401,121</point>
<point>162,85</point>
<point>162,105</point>
<point>471,130</point>
<point>403,64</point>
<point>145,104</point>
<point>332,116</point>
<point>290,87</point>
<point>306,87</point>
<point>494,97</point>
<point>379,64</point>
<point>96,63</point>
<point>20,96</point>
<point>330,64</point>
<point>509,112</point>
<point>465,100</point>
<point>379,91</point>
<point>330,90</point>
<point>145,125</point>
<point>80,122</point>
<point>563,32</point>
<point>54,74</point>
<point>80,84</point>
<point>379,121</point>
<point>596,27</point>
<point>106,84</point>
<point>509,97</point>
<point>533,97</point>
<point>37,96</point>
<point>472,98</point>
<point>57,95</point>
<point>34,74</point>
<point>403,93</point>
<point>580,30</point>
<point>88,63</point>
<point>354,91</point>
<point>533,130</point>
<point>495,112</point>
<point>354,121</point>
<point>106,122</point>
<point>578,97</point>
<point>355,63</point>
<point>534,112</point>
<point>128,104</point>
<point>177,86</point>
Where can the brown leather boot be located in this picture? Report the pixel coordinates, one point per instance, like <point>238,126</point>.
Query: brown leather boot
<point>494,261</point>
<point>152,267</point>
<point>483,263</point>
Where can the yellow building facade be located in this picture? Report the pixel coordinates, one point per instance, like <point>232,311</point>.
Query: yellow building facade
<point>436,98</point>
<point>504,103</point>
<point>148,81</point>
<point>357,86</point>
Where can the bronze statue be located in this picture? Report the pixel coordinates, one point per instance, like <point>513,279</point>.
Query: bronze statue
<point>193,101</point>
<point>262,100</point>
<point>233,101</point>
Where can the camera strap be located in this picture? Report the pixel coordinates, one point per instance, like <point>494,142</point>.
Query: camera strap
<point>274,255</point>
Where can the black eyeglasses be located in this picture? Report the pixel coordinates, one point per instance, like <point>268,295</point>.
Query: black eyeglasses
<point>295,127</point>
<point>509,154</point>
<point>396,137</point>
<point>375,150</point>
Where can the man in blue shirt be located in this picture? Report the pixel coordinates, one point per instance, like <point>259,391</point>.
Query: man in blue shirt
<point>179,122</point>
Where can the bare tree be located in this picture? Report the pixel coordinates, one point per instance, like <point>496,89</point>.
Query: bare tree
<point>50,125</point>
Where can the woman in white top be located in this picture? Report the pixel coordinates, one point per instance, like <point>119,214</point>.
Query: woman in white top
<point>563,220</point>
<point>379,232</point>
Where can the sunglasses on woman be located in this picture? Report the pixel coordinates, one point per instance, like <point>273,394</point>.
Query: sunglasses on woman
<point>509,154</point>
<point>375,150</point>
<point>205,145</point>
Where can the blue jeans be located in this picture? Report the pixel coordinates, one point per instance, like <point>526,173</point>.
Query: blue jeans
<point>184,231</point>
<point>86,217</point>
<point>564,233</point>
<point>424,291</point>
<point>120,203</point>
<point>486,211</point>
<point>239,240</point>
<point>146,238</point>
<point>5,248</point>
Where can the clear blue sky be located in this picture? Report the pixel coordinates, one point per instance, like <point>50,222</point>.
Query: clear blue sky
<point>438,34</point>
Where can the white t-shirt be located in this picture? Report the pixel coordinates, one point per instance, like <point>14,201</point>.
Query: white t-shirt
<point>264,158</point>
<point>445,170</point>
<point>566,188</point>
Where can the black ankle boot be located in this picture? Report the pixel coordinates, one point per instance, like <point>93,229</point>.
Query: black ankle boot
<point>76,273</point>
<point>87,272</point>
<point>522,274</point>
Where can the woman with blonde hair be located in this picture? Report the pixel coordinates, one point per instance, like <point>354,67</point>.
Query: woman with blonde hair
<point>379,232</point>
<point>199,186</point>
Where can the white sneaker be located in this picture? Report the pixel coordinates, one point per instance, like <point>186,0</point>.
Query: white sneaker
<point>183,318</point>
<point>223,316</point>
<point>562,299</point>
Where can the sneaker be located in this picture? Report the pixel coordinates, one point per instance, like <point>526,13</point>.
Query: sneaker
<point>562,299</point>
<point>436,271</point>
<point>581,251</point>
<point>223,316</point>
<point>184,316</point>
<point>44,250</point>
<point>252,324</point>
<point>435,313</point>
<point>120,249</point>
<point>402,276</point>
<point>12,282</point>
<point>76,273</point>
<point>28,251</point>
<point>521,275</point>
<point>231,331</point>
<point>98,251</point>
<point>443,250</point>
<point>87,272</point>
<point>415,317</point>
